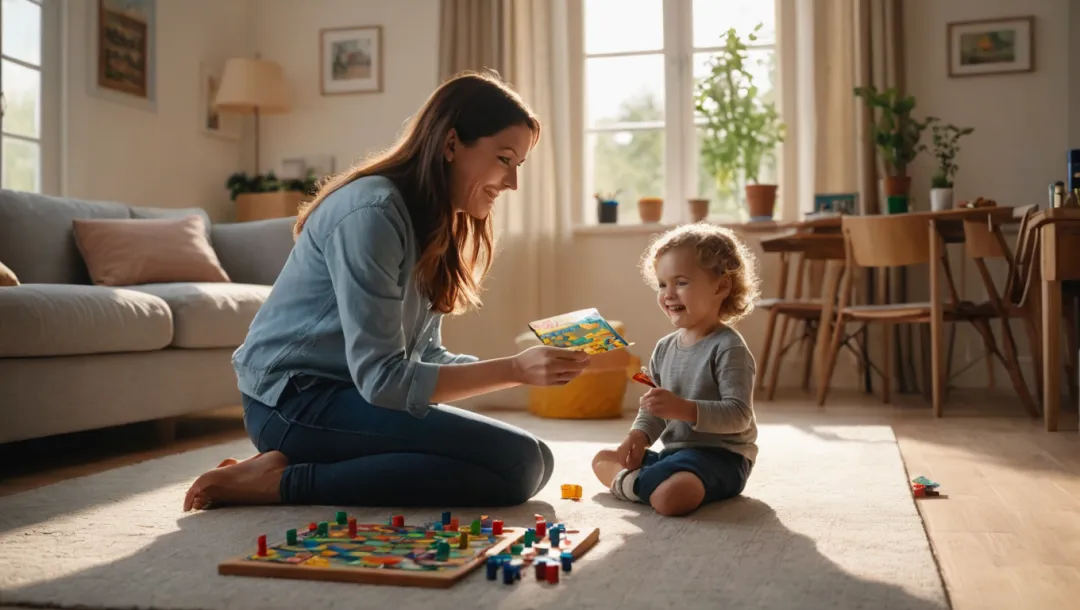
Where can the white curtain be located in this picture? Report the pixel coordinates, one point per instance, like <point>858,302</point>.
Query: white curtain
<point>534,224</point>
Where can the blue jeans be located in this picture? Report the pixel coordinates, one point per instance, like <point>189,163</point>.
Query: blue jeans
<point>723,472</point>
<point>344,451</point>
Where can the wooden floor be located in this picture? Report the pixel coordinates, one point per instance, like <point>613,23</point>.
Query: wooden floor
<point>1005,533</point>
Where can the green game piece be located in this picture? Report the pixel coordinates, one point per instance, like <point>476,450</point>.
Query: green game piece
<point>530,537</point>
<point>515,549</point>
<point>324,529</point>
<point>443,552</point>
<point>476,527</point>
<point>341,518</point>
<point>290,537</point>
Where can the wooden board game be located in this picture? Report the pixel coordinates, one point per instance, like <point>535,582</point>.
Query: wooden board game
<point>436,554</point>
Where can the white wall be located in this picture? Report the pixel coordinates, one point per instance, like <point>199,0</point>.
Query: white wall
<point>346,126</point>
<point>1021,121</point>
<point>121,152</point>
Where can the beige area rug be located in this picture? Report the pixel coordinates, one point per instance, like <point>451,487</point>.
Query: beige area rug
<point>826,522</point>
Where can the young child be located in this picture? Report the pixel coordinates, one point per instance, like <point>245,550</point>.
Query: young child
<point>702,408</point>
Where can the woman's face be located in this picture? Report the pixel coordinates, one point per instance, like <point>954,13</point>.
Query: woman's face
<point>481,172</point>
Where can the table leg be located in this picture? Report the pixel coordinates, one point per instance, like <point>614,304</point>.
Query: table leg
<point>1051,352</point>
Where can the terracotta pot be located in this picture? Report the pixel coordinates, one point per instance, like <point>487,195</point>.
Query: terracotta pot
<point>699,209</point>
<point>651,209</point>
<point>896,185</point>
<point>761,200</point>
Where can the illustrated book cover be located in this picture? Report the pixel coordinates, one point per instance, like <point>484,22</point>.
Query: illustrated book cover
<point>584,330</point>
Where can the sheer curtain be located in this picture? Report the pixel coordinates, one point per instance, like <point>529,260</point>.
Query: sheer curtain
<point>534,224</point>
<point>833,47</point>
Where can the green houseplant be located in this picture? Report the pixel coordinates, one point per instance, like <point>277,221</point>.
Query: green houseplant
<point>896,134</point>
<point>741,129</point>
<point>946,138</point>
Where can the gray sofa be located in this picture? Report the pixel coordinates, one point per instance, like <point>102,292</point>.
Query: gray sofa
<point>75,356</point>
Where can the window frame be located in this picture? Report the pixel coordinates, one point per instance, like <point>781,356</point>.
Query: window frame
<point>679,125</point>
<point>49,95</point>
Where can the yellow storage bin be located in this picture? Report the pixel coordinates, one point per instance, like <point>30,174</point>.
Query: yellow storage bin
<point>595,394</point>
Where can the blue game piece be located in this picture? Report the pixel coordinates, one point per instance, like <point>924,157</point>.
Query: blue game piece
<point>438,527</point>
<point>555,537</point>
<point>493,568</point>
<point>567,560</point>
<point>508,574</point>
<point>446,518</point>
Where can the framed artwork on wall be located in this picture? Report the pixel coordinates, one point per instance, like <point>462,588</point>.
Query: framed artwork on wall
<point>212,122</point>
<point>991,46</point>
<point>123,41</point>
<point>350,60</point>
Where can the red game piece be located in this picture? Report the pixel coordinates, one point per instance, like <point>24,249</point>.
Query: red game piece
<point>541,568</point>
<point>496,526</point>
<point>399,521</point>
<point>262,545</point>
<point>453,524</point>
<point>552,573</point>
<point>352,527</point>
<point>541,529</point>
<point>312,527</point>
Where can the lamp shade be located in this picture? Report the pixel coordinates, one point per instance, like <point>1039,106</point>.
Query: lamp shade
<point>248,85</point>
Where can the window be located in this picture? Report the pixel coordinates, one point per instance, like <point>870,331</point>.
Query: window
<point>21,87</point>
<point>642,135</point>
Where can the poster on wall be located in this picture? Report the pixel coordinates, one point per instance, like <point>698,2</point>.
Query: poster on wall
<point>351,60</point>
<point>123,40</point>
<point>991,46</point>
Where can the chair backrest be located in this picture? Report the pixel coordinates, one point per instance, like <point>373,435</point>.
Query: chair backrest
<point>895,240</point>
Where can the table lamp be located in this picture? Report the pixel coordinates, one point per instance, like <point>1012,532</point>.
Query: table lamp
<point>253,86</point>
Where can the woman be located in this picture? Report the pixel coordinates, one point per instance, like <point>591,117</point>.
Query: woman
<point>343,368</point>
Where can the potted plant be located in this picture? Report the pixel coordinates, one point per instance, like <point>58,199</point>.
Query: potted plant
<point>896,134</point>
<point>266,196</point>
<point>741,129</point>
<point>946,138</point>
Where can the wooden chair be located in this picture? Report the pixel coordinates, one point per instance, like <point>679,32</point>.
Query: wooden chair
<point>890,242</point>
<point>811,249</point>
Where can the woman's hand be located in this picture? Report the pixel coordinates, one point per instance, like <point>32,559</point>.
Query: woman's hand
<point>544,365</point>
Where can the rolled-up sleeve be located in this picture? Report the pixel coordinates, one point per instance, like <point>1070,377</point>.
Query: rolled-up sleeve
<point>437,354</point>
<point>365,254</point>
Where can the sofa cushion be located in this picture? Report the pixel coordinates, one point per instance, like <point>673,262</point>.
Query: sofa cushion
<point>207,315</point>
<point>152,251</point>
<point>36,240</point>
<point>70,319</point>
<point>141,213</point>
<point>7,276</point>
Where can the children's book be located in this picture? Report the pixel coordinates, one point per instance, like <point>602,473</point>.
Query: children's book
<point>583,330</point>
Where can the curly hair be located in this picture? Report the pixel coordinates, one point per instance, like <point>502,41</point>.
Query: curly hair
<point>720,252</point>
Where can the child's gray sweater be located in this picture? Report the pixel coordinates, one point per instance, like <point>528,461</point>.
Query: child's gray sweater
<point>717,373</point>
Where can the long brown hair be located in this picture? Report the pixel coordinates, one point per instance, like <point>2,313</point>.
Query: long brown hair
<point>456,249</point>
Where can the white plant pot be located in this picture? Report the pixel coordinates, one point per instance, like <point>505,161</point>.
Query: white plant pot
<point>941,199</point>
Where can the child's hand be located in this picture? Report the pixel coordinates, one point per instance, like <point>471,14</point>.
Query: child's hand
<point>632,450</point>
<point>663,403</point>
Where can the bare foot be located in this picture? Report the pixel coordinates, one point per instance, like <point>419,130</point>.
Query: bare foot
<point>605,466</point>
<point>252,481</point>
<point>231,461</point>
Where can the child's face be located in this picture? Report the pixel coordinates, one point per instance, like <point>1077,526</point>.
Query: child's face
<point>690,295</point>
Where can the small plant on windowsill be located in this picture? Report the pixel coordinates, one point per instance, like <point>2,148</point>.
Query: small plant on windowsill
<point>896,134</point>
<point>240,183</point>
<point>741,129</point>
<point>946,139</point>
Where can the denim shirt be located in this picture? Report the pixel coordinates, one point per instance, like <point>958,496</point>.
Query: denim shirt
<point>345,306</point>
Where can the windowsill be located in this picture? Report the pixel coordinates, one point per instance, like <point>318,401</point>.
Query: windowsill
<point>659,227</point>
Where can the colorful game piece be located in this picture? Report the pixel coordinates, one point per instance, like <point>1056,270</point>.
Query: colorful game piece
<point>290,537</point>
<point>492,568</point>
<point>442,552</point>
<point>497,527</point>
<point>567,491</point>
<point>567,559</point>
<point>446,518</point>
<point>515,549</point>
<point>552,575</point>
<point>262,546</point>
<point>541,571</point>
<point>352,527</point>
<point>324,529</point>
<point>530,537</point>
<point>508,574</point>
<point>577,492</point>
<point>398,521</point>
<point>541,529</point>
<point>555,537</point>
<point>312,526</point>
<point>438,527</point>
<point>340,517</point>
<point>463,540</point>
<point>475,527</point>
<point>453,524</point>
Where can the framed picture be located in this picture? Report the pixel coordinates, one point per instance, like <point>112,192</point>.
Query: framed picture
<point>351,60</point>
<point>836,203</point>
<point>991,46</point>
<point>123,36</point>
<point>214,123</point>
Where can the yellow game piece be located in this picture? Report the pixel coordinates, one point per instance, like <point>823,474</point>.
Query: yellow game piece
<point>577,492</point>
<point>567,492</point>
